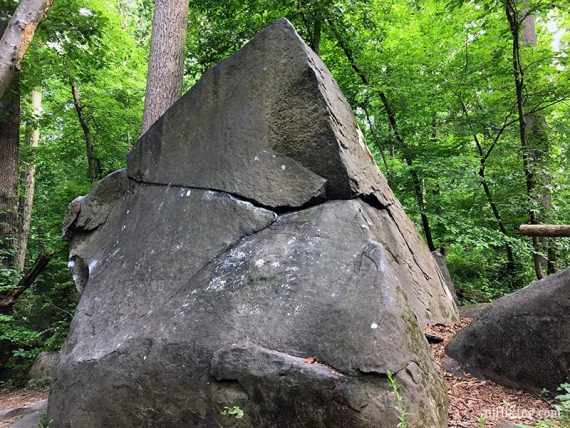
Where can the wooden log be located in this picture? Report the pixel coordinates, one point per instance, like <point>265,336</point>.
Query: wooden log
<point>552,230</point>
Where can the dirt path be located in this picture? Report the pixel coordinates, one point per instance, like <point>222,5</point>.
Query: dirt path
<point>470,399</point>
<point>11,398</point>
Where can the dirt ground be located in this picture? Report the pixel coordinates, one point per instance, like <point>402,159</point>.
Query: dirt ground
<point>471,399</point>
<point>11,398</point>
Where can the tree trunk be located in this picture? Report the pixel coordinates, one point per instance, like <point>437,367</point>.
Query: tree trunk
<point>92,160</point>
<point>9,162</point>
<point>416,181</point>
<point>17,36</point>
<point>29,181</point>
<point>518,72</point>
<point>166,59</point>
<point>316,36</point>
<point>379,146</point>
<point>537,131</point>
<point>483,156</point>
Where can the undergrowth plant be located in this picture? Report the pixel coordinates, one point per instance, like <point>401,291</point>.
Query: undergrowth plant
<point>563,408</point>
<point>234,412</point>
<point>400,404</point>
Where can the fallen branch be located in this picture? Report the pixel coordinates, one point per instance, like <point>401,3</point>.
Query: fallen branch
<point>8,299</point>
<point>552,230</point>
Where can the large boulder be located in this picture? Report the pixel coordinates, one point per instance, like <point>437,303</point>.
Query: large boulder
<point>523,339</point>
<point>251,255</point>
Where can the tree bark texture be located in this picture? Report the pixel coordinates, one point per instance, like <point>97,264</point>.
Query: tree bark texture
<point>537,131</point>
<point>166,59</point>
<point>551,230</point>
<point>92,160</point>
<point>9,162</point>
<point>17,36</point>
<point>29,181</point>
<point>316,36</point>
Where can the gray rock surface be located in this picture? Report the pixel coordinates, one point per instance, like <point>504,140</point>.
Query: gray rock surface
<point>473,310</point>
<point>295,143</point>
<point>250,257</point>
<point>44,365</point>
<point>522,339</point>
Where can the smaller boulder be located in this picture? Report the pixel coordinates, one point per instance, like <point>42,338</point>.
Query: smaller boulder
<point>522,339</point>
<point>473,310</point>
<point>44,365</point>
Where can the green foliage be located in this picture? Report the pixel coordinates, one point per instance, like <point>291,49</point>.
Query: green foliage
<point>563,408</point>
<point>564,404</point>
<point>39,383</point>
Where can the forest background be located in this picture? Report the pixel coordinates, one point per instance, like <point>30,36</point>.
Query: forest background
<point>464,104</point>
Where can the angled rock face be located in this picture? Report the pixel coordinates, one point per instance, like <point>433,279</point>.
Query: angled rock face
<point>522,339</point>
<point>271,126</point>
<point>442,265</point>
<point>251,255</point>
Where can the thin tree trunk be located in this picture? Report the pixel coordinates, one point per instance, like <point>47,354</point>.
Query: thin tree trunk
<point>9,163</point>
<point>379,146</point>
<point>483,156</point>
<point>416,181</point>
<point>495,210</point>
<point>92,161</point>
<point>316,36</point>
<point>518,71</point>
<point>29,181</point>
<point>166,59</point>
<point>16,37</point>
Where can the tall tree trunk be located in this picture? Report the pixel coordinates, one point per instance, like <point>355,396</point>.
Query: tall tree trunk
<point>9,163</point>
<point>537,131</point>
<point>379,146</point>
<point>92,160</point>
<point>29,181</point>
<point>416,181</point>
<point>166,59</point>
<point>16,37</point>
<point>519,76</point>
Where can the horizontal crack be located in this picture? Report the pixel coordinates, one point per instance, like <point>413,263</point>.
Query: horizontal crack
<point>370,199</point>
<point>206,189</point>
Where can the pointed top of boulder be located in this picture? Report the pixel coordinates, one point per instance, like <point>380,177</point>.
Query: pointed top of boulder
<point>268,124</point>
